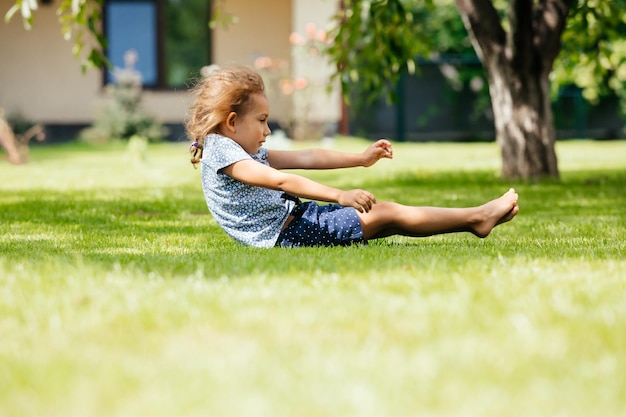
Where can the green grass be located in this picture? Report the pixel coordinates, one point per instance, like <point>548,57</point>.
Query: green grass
<point>120,296</point>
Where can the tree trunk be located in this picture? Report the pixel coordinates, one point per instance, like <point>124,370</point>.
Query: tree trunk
<point>518,63</point>
<point>16,146</point>
<point>523,122</point>
<point>8,141</point>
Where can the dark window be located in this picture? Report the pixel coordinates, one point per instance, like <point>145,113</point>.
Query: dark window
<point>171,38</point>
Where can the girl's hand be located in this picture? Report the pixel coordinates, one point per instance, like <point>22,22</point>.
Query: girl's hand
<point>379,149</point>
<point>359,199</point>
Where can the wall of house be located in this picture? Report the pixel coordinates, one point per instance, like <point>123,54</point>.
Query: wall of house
<point>262,29</point>
<point>39,76</point>
<point>308,16</point>
<point>277,20</point>
<point>42,80</point>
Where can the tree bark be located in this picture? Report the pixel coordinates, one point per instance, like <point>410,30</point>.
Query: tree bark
<point>16,146</point>
<point>518,63</point>
<point>8,141</point>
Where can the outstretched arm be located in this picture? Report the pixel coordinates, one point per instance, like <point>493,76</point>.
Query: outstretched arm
<point>253,173</point>
<point>326,159</point>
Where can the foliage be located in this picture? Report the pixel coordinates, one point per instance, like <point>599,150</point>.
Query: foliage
<point>593,55</point>
<point>422,30</point>
<point>374,41</point>
<point>186,43</point>
<point>122,117</point>
<point>378,40</point>
<point>219,17</point>
<point>440,38</point>
<point>80,22</point>
<point>16,131</point>
<point>19,122</point>
<point>118,291</point>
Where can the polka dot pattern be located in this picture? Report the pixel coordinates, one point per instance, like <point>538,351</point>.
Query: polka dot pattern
<point>326,225</point>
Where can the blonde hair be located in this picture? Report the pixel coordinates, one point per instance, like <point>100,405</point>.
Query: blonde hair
<point>221,92</point>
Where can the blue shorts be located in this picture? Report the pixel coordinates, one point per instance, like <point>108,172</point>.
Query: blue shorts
<point>321,225</point>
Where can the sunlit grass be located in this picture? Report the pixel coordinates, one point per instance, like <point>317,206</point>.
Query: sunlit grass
<point>119,295</point>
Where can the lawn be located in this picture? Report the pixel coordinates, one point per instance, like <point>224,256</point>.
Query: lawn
<point>120,296</point>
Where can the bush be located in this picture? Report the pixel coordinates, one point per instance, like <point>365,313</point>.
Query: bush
<point>123,116</point>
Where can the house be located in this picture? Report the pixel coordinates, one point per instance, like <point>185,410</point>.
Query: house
<point>41,80</point>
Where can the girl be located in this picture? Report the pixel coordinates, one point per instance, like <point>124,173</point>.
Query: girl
<point>257,204</point>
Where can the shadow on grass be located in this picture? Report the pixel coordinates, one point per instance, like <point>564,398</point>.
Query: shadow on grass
<point>171,231</point>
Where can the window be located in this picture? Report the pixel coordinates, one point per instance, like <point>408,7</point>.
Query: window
<point>171,38</point>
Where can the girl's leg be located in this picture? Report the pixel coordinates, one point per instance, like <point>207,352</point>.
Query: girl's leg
<point>386,219</point>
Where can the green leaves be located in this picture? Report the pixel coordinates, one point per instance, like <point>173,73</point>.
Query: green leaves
<point>26,8</point>
<point>221,18</point>
<point>82,19</point>
<point>79,19</point>
<point>593,55</point>
<point>375,41</point>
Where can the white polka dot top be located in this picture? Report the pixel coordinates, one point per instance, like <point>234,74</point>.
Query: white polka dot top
<point>251,215</point>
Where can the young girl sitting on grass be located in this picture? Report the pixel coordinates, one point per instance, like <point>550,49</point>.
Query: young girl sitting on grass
<point>258,204</point>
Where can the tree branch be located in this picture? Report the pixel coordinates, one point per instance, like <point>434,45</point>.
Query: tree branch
<point>549,24</point>
<point>482,22</point>
<point>520,37</point>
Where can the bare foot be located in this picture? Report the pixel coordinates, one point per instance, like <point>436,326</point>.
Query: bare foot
<point>495,212</point>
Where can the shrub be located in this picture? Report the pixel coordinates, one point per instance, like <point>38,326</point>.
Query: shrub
<point>123,116</point>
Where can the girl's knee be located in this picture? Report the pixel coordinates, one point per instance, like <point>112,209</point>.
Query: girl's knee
<point>382,215</point>
<point>386,209</point>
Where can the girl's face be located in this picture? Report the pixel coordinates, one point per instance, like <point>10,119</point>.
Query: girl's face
<point>251,129</point>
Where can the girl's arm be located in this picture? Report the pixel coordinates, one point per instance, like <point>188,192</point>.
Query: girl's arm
<point>253,173</point>
<point>326,159</point>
